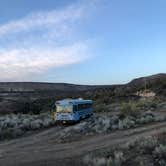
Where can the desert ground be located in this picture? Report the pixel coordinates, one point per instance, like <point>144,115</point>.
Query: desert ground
<point>128,126</point>
<point>42,149</point>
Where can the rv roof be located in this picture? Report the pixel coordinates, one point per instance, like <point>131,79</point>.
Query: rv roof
<point>73,101</point>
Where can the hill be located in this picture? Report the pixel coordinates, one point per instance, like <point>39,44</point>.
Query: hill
<point>18,96</point>
<point>156,83</point>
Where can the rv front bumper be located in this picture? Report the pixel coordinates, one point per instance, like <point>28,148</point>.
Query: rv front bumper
<point>66,121</point>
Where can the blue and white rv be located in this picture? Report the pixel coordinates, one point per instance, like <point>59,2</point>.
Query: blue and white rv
<point>72,110</point>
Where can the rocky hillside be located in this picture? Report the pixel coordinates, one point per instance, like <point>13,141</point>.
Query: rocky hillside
<point>155,82</point>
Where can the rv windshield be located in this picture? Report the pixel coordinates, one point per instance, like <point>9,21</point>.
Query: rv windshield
<point>64,108</point>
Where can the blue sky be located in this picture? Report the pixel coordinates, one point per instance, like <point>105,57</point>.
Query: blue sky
<point>81,41</point>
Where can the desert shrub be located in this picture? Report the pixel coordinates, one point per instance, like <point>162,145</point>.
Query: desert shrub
<point>100,161</point>
<point>48,121</point>
<point>14,125</point>
<point>160,151</point>
<point>118,158</point>
<point>120,125</point>
<point>126,123</point>
<point>106,124</point>
<point>160,155</point>
<point>147,104</point>
<point>159,118</point>
<point>114,119</point>
<point>115,159</point>
<point>146,119</point>
<point>129,109</point>
<point>100,108</point>
<point>36,124</point>
<point>148,144</point>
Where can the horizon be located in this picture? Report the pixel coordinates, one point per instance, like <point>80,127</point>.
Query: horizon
<point>72,83</point>
<point>81,42</point>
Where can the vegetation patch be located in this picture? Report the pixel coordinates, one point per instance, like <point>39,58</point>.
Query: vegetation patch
<point>132,107</point>
<point>14,125</point>
<point>143,151</point>
<point>105,124</point>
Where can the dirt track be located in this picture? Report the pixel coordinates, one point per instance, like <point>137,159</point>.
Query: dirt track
<point>41,149</point>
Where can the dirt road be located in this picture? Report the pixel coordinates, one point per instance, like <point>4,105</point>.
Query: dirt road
<point>41,149</point>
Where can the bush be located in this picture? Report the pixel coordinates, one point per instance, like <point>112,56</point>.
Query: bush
<point>147,144</point>
<point>100,108</point>
<point>36,124</point>
<point>126,123</point>
<point>129,109</point>
<point>14,125</point>
<point>100,161</point>
<point>160,151</point>
<point>116,159</point>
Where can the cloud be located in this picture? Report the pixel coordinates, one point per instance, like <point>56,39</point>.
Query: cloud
<point>22,63</point>
<point>43,20</point>
<point>41,41</point>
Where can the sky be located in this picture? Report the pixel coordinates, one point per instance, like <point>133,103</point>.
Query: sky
<point>82,41</point>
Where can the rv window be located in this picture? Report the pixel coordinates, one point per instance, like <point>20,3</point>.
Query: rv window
<point>75,108</point>
<point>84,106</point>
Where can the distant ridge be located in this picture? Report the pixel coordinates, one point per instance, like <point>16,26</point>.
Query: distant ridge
<point>153,81</point>
<point>160,76</point>
<point>42,86</point>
